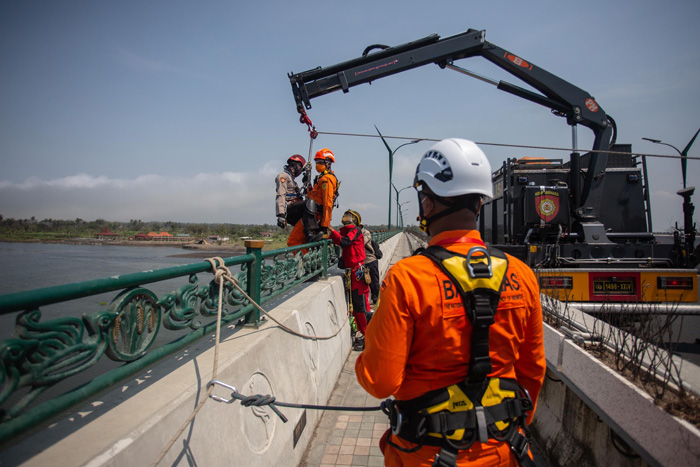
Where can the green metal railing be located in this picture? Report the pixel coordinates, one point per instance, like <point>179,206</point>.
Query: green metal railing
<point>41,354</point>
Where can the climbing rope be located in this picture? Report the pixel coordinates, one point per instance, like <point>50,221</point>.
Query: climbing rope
<point>222,275</point>
<point>304,118</point>
<point>220,271</point>
<point>259,400</point>
<point>226,274</point>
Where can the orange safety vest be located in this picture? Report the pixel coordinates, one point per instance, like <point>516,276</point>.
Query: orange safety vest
<point>324,193</point>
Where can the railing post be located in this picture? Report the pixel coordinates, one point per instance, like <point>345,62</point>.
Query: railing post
<point>324,256</point>
<point>254,247</point>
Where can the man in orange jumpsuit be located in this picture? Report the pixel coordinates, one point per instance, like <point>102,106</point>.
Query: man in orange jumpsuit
<point>318,210</point>
<point>419,338</point>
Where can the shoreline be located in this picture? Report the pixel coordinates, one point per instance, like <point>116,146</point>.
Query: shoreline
<point>195,247</point>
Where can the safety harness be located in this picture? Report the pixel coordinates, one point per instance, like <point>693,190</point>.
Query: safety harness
<point>296,194</point>
<point>478,408</point>
<point>337,185</point>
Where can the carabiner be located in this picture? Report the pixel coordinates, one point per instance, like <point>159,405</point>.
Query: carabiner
<point>234,391</point>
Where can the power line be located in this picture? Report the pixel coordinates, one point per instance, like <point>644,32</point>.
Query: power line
<point>520,146</point>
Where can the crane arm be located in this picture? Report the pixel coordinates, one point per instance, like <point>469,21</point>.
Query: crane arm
<point>562,97</point>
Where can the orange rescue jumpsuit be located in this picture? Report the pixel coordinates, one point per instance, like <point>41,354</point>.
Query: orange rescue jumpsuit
<point>323,192</point>
<point>419,339</point>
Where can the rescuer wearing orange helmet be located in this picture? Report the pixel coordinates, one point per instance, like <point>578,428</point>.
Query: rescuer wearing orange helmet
<point>318,209</point>
<point>457,337</point>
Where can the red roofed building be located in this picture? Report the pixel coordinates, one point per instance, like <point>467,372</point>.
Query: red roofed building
<point>106,234</point>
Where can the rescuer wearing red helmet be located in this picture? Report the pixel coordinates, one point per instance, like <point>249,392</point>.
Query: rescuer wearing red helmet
<point>457,336</point>
<point>318,207</point>
<point>289,201</point>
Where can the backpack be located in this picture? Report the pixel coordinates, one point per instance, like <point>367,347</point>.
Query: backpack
<point>377,251</point>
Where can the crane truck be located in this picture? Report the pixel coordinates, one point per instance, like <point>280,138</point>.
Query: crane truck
<point>583,225</point>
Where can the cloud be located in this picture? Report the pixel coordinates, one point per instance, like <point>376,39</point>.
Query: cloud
<point>238,197</point>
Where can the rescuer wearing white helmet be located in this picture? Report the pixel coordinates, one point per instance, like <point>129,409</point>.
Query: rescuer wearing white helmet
<point>456,169</point>
<point>457,336</point>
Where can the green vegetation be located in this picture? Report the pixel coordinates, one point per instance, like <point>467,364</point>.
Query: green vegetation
<point>55,230</point>
<point>61,230</point>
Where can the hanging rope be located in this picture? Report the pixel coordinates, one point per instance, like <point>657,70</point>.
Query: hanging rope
<point>220,270</point>
<point>221,275</point>
<point>259,400</point>
<point>520,146</point>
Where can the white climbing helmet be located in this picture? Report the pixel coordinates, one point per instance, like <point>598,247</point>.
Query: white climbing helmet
<point>454,167</point>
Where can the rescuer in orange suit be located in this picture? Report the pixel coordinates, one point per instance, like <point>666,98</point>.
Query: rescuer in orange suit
<point>318,210</point>
<point>419,338</point>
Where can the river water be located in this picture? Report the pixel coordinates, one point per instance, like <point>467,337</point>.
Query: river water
<point>25,266</point>
<point>28,266</point>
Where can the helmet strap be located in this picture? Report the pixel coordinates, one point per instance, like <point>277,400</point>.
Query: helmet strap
<point>424,222</point>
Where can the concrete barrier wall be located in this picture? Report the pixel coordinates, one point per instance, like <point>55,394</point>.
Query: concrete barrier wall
<point>388,248</point>
<point>132,424</point>
<point>583,400</point>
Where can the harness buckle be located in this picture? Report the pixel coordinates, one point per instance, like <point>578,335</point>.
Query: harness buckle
<point>518,444</point>
<point>482,313</point>
<point>445,458</point>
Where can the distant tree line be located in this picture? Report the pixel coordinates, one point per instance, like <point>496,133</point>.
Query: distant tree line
<point>11,228</point>
<point>65,229</point>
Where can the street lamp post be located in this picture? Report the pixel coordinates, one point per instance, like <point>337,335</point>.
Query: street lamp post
<point>688,207</point>
<point>398,192</point>
<point>683,153</point>
<point>391,167</point>
<point>400,211</point>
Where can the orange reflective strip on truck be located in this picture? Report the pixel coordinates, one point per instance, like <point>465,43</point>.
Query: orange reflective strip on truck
<point>620,285</point>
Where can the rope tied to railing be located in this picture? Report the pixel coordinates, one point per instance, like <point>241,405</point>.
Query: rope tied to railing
<point>222,272</point>
<point>221,275</point>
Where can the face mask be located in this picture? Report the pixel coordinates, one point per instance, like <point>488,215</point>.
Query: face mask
<point>320,167</point>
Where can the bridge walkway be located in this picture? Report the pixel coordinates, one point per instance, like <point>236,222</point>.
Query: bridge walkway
<point>344,438</point>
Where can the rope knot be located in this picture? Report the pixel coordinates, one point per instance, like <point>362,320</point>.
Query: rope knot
<point>221,272</point>
<point>258,400</point>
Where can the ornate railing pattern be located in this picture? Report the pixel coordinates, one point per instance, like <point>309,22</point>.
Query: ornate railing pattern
<point>41,354</point>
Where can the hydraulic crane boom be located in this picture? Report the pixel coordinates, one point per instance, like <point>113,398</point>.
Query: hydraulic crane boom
<point>561,97</point>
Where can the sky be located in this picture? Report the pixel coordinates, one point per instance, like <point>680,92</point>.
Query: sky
<point>182,110</point>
